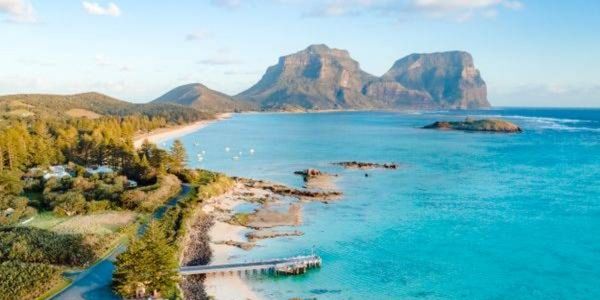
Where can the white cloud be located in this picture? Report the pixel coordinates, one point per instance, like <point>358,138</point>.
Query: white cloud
<point>462,10</point>
<point>197,36</point>
<point>459,10</point>
<point>125,68</point>
<point>219,62</point>
<point>94,8</point>
<point>336,8</point>
<point>102,60</point>
<point>18,11</point>
<point>231,4</point>
<point>514,5</point>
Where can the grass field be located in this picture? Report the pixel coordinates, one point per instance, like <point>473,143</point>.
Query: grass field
<point>102,223</point>
<point>46,220</point>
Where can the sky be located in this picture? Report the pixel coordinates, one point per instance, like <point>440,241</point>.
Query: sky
<point>529,52</point>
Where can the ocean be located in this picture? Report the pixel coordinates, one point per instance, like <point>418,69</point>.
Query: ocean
<point>466,216</point>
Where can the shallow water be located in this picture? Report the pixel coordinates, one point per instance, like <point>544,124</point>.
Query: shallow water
<point>468,215</point>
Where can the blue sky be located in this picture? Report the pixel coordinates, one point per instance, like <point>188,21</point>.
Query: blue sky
<point>531,53</point>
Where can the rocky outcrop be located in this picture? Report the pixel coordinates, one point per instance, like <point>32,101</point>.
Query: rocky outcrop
<point>202,98</point>
<point>316,180</point>
<point>254,236</point>
<point>279,189</point>
<point>320,78</point>
<point>366,165</point>
<point>488,125</point>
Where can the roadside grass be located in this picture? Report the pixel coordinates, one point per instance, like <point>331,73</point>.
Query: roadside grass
<point>64,282</point>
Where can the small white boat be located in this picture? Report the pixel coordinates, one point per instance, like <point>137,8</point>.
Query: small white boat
<point>251,151</point>
<point>227,149</point>
<point>235,158</point>
<point>203,152</point>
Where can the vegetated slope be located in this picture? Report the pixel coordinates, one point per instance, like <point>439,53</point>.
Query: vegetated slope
<point>63,106</point>
<point>202,98</point>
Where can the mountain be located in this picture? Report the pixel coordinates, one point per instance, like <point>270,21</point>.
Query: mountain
<point>90,105</point>
<point>450,78</point>
<point>315,78</point>
<point>202,98</point>
<point>320,78</point>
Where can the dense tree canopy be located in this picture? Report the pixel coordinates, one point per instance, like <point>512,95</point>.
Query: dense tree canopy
<point>148,267</point>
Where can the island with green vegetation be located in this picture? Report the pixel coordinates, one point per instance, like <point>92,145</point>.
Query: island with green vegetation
<point>487,125</point>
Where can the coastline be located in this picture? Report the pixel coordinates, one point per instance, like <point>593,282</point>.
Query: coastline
<point>163,134</point>
<point>225,287</point>
<point>276,206</point>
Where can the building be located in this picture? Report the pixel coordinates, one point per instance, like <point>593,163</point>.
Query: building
<point>99,170</point>
<point>56,172</point>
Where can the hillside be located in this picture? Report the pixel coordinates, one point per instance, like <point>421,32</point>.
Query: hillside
<point>202,98</point>
<point>319,78</point>
<point>89,105</point>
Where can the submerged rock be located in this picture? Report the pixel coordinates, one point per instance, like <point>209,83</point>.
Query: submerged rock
<point>268,234</point>
<point>488,125</point>
<point>308,173</point>
<point>366,165</point>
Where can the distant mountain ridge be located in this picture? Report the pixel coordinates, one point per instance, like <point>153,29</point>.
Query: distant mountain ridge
<point>202,98</point>
<point>90,105</point>
<point>320,78</point>
<point>316,78</point>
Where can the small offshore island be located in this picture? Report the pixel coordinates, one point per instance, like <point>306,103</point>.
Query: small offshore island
<point>488,125</point>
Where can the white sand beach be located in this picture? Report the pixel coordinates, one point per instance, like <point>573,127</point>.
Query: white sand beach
<point>164,134</point>
<point>225,287</point>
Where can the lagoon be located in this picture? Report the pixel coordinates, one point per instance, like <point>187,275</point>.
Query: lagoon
<point>467,215</point>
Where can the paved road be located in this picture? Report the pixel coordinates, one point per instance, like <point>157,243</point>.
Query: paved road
<point>95,282</point>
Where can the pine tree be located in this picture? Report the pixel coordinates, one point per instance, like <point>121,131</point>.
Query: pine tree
<point>178,156</point>
<point>149,264</point>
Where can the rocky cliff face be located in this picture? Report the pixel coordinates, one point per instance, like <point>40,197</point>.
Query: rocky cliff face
<point>315,78</point>
<point>202,98</point>
<point>323,78</point>
<point>449,78</point>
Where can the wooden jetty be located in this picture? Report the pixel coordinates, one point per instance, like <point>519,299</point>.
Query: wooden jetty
<point>288,266</point>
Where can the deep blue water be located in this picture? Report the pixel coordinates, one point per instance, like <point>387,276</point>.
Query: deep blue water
<point>468,215</point>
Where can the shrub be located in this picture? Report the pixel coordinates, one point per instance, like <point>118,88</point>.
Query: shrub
<point>98,206</point>
<point>139,199</point>
<point>69,204</point>
<point>26,280</point>
<point>34,245</point>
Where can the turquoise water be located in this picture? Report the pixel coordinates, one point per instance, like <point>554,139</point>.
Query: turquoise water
<point>467,216</point>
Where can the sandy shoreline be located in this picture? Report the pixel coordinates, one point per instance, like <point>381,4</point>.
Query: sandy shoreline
<point>276,206</point>
<point>225,287</point>
<point>164,134</point>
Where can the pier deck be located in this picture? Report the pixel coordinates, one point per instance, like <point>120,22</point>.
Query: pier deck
<point>305,262</point>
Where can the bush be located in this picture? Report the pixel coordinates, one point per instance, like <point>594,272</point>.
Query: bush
<point>25,280</point>
<point>34,245</point>
<point>98,206</point>
<point>139,199</point>
<point>69,204</point>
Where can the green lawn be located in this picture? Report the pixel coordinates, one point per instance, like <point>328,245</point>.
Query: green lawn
<point>46,220</point>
